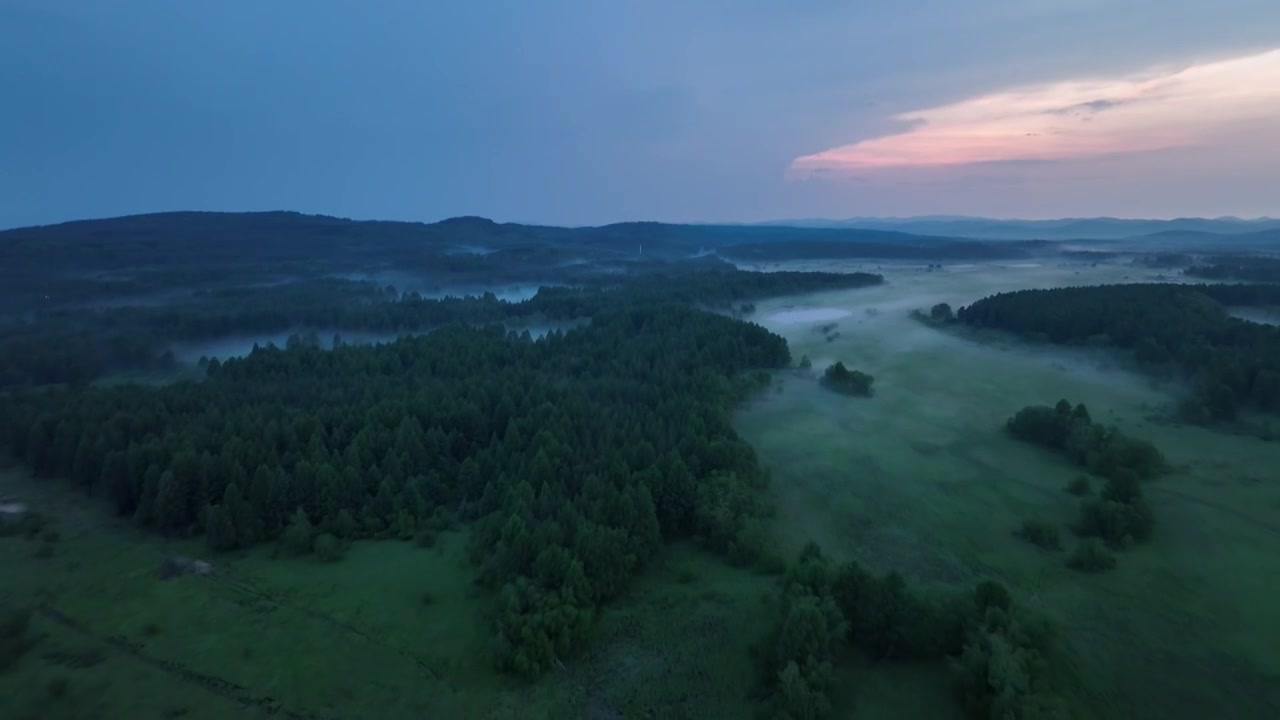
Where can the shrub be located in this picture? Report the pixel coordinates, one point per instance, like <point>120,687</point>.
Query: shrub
<point>989,594</point>
<point>58,687</point>
<point>328,548</point>
<point>425,536</point>
<point>1091,556</point>
<point>850,382</point>
<point>33,523</point>
<point>1118,524</point>
<point>345,526</point>
<point>297,537</point>
<point>405,525</point>
<point>1079,485</point>
<point>805,362</point>
<point>1041,534</point>
<point>14,638</point>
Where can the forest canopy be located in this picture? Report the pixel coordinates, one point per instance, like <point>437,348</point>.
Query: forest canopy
<point>574,456</point>
<point>1252,268</point>
<point>1180,329</point>
<point>78,346</point>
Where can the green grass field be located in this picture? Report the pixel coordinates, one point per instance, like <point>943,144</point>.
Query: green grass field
<point>919,478</point>
<point>922,479</point>
<point>391,631</point>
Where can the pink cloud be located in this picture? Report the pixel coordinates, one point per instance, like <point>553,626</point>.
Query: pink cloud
<point>1153,110</point>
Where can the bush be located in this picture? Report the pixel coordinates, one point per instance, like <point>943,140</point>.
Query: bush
<point>219,528</point>
<point>33,523</point>
<point>328,548</point>
<point>345,525</point>
<point>14,637</point>
<point>425,536</point>
<point>802,693</point>
<point>850,382</point>
<point>1091,556</point>
<point>1041,534</point>
<point>1079,485</point>
<point>991,594</point>
<point>59,687</point>
<point>1118,524</point>
<point>1099,449</point>
<point>805,362</point>
<point>297,537</point>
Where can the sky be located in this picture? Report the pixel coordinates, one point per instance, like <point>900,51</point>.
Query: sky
<point>577,112</point>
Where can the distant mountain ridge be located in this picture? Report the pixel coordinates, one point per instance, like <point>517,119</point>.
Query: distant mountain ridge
<point>135,257</point>
<point>211,238</point>
<point>1099,228</point>
<point>287,231</point>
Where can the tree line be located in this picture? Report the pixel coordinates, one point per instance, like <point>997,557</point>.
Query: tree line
<point>79,346</point>
<point>1251,268</point>
<point>1168,328</point>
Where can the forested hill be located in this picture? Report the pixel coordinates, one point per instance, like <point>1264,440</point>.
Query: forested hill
<point>1168,327</point>
<point>280,233</point>
<point>118,256</point>
<point>76,346</point>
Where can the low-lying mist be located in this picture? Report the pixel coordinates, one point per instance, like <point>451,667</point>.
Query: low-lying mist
<point>922,479</point>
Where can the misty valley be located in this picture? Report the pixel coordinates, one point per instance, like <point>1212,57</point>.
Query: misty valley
<point>275,464</point>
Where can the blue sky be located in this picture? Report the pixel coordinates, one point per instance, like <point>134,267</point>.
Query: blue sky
<point>578,112</point>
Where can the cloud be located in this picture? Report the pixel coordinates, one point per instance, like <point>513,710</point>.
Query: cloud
<point>1159,109</point>
<point>1089,107</point>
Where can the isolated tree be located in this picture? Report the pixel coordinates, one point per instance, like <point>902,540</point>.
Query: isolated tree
<point>219,528</point>
<point>298,536</point>
<point>802,695</point>
<point>851,382</point>
<point>172,498</point>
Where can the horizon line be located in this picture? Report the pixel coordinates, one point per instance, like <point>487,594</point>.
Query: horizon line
<point>938,217</point>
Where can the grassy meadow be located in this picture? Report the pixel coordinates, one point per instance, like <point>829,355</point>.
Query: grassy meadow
<point>392,630</point>
<point>920,478</point>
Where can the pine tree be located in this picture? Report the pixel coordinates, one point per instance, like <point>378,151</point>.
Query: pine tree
<point>172,499</point>
<point>219,528</point>
<point>299,536</point>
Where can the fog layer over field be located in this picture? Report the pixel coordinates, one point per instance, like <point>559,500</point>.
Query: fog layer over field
<point>223,348</point>
<point>922,479</point>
